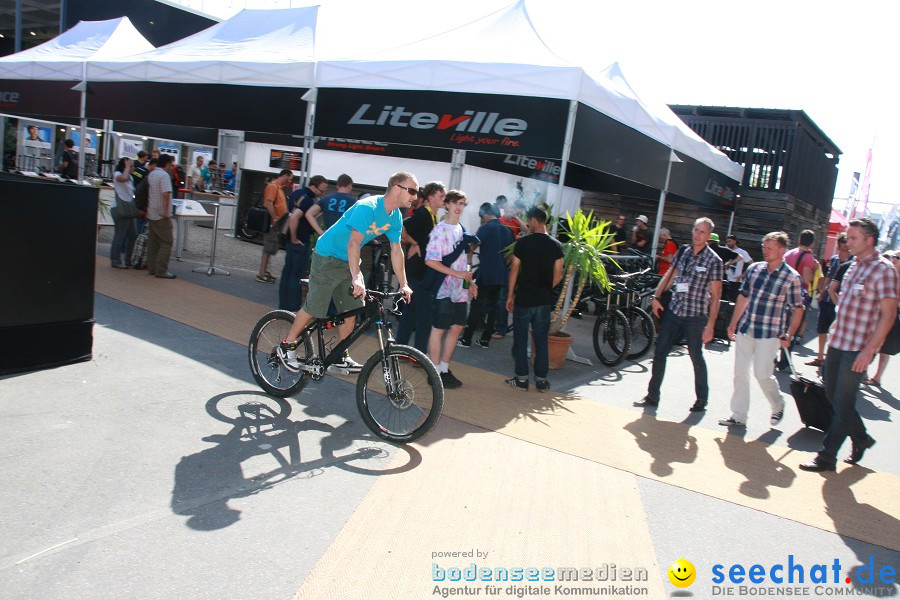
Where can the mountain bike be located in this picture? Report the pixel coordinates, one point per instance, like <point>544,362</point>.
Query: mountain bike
<point>399,393</point>
<point>624,329</point>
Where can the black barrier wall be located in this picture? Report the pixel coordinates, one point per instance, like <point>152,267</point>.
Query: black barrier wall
<point>47,257</point>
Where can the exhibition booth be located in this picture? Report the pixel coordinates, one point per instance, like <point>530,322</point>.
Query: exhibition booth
<point>487,107</point>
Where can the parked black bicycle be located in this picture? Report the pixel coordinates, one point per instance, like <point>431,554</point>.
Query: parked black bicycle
<point>623,329</point>
<point>398,390</point>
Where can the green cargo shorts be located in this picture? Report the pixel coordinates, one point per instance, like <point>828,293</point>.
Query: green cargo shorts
<point>329,278</point>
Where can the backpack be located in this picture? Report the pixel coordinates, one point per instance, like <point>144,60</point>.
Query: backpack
<point>142,195</point>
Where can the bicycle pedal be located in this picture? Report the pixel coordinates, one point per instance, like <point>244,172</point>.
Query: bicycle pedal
<point>339,371</point>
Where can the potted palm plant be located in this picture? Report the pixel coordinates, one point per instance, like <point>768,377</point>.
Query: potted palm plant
<point>587,241</point>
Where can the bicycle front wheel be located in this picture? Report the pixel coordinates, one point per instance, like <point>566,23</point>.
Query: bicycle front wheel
<point>399,394</point>
<point>642,332</point>
<point>268,371</point>
<point>612,337</point>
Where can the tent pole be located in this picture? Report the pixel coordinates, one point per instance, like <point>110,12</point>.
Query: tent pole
<point>662,204</point>
<point>730,223</point>
<point>564,163</point>
<point>83,153</point>
<point>308,139</point>
<point>457,162</point>
<point>567,151</point>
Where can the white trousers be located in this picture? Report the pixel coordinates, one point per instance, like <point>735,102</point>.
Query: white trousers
<point>758,354</point>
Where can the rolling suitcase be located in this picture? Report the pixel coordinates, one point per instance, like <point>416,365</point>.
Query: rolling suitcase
<point>809,395</point>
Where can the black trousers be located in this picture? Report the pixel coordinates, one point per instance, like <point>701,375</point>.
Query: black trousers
<point>482,309</point>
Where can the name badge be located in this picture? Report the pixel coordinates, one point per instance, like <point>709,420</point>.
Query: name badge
<point>700,269</point>
<point>681,288</point>
<point>858,286</point>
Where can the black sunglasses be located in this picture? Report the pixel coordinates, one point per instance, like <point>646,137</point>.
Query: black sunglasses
<point>410,190</point>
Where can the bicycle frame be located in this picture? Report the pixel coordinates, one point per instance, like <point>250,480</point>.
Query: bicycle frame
<point>374,313</point>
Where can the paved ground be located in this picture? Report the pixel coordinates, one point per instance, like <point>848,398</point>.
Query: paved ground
<point>141,474</point>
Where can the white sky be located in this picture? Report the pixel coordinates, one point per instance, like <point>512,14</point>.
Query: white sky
<point>830,58</point>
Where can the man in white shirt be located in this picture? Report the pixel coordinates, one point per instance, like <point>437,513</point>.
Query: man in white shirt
<point>734,268</point>
<point>159,215</point>
<point>195,175</point>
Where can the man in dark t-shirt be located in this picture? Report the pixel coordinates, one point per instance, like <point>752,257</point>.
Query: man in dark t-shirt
<point>536,268</point>
<point>335,205</point>
<point>297,231</point>
<point>68,161</point>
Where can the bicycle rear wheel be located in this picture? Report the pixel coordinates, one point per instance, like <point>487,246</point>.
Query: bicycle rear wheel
<point>268,371</point>
<point>612,337</point>
<point>642,332</point>
<point>399,394</point>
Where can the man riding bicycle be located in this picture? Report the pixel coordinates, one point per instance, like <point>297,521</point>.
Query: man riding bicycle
<point>336,264</point>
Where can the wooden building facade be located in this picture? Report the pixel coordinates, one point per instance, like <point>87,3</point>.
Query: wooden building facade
<point>790,169</point>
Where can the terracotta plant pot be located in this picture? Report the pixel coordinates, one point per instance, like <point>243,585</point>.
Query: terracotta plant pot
<point>558,348</point>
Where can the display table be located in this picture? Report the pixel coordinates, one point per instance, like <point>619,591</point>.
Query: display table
<point>226,206</point>
<point>187,211</point>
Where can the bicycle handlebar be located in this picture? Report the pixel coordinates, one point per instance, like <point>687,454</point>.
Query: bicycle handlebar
<point>625,276</point>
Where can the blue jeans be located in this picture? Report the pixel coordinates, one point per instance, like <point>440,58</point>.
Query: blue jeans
<point>123,238</point>
<point>296,265</point>
<point>536,318</point>
<point>417,315</point>
<point>841,385</point>
<point>670,332</point>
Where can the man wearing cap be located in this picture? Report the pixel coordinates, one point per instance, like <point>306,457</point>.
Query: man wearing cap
<point>734,268</point>
<point>640,235</point>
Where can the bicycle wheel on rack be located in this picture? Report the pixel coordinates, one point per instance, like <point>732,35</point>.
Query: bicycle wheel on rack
<point>399,394</point>
<point>269,373</point>
<point>642,332</point>
<point>612,337</point>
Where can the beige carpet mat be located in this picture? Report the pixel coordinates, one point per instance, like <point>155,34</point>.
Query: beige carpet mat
<point>854,502</point>
<point>499,502</point>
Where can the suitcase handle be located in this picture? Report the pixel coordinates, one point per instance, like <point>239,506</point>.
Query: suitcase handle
<point>790,362</point>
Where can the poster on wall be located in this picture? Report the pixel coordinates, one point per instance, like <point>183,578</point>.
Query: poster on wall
<point>36,136</point>
<point>204,152</point>
<point>172,150</point>
<point>90,146</point>
<point>129,147</point>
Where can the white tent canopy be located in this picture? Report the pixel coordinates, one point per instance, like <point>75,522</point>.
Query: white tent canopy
<point>255,47</point>
<point>502,53</point>
<point>63,57</point>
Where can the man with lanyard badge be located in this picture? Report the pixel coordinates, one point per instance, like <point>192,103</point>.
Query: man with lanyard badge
<point>866,311</point>
<point>697,273</point>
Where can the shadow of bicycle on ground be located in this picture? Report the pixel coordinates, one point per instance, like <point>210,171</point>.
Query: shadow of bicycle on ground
<point>263,449</point>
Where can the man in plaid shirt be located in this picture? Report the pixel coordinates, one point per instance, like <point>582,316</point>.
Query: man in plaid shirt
<point>866,310</point>
<point>757,327</point>
<point>697,273</point>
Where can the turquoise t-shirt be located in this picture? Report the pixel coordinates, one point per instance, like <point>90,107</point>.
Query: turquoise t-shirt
<point>369,218</point>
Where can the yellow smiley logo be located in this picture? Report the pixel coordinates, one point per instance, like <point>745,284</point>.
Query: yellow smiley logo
<point>682,573</point>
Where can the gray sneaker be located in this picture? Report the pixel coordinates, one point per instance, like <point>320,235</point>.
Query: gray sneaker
<point>776,417</point>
